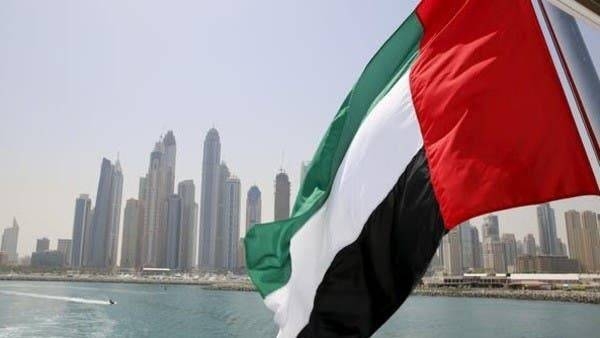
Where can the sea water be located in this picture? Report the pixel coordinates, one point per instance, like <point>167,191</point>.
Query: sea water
<point>54,309</point>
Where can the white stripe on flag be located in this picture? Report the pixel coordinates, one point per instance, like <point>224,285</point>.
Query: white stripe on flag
<point>383,146</point>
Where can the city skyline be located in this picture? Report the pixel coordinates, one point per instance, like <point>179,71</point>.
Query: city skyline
<point>227,217</point>
<point>131,76</point>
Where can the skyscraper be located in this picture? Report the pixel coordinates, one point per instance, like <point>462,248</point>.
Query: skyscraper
<point>189,222</point>
<point>530,247</point>
<point>466,246</point>
<point>10,238</point>
<point>591,241</point>
<point>491,227</point>
<point>65,247</point>
<point>575,237</point>
<point>132,234</point>
<point>42,244</point>
<point>221,232</point>
<point>173,231</point>
<point>253,207</point>
<point>510,250</point>
<point>107,213</point>
<point>232,221</point>
<point>209,197</point>
<point>282,196</point>
<point>155,188</point>
<point>81,222</point>
<point>453,261</point>
<point>477,249</point>
<point>494,256</point>
<point>547,229</point>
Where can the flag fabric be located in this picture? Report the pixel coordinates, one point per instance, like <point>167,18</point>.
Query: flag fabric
<point>461,112</point>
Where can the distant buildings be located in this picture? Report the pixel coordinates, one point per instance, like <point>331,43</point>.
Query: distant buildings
<point>494,259</point>
<point>453,260</point>
<point>209,198</point>
<point>583,239</point>
<point>547,230</point>
<point>510,251</point>
<point>64,246</point>
<point>47,259</point>
<point>282,196</point>
<point>132,234</point>
<point>253,207</point>
<point>42,244</point>
<point>546,264</point>
<point>591,241</point>
<point>155,189</point>
<point>529,245</point>
<point>10,239</point>
<point>81,226</point>
<point>104,229</point>
<point>186,190</point>
<point>222,231</point>
<point>174,214</point>
<point>232,203</point>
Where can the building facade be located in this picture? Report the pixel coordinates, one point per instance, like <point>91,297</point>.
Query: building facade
<point>453,260</point>
<point>104,232</point>
<point>253,207</point>
<point>232,221</point>
<point>42,244</point>
<point>65,247</point>
<point>209,197</point>
<point>132,234</point>
<point>81,224</point>
<point>10,239</point>
<point>282,196</point>
<point>155,189</point>
<point>189,223</point>
<point>547,229</point>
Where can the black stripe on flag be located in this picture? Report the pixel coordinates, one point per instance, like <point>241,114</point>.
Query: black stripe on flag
<point>369,279</point>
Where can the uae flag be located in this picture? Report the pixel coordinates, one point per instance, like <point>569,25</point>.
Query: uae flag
<point>460,113</point>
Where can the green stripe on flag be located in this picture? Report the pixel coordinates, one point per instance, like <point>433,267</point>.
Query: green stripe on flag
<point>267,245</point>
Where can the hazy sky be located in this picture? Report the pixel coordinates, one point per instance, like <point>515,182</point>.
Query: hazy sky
<point>80,80</point>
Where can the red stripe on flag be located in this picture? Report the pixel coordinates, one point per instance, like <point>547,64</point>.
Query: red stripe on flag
<point>496,124</point>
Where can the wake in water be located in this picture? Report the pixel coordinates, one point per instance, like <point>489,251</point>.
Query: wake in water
<point>64,299</point>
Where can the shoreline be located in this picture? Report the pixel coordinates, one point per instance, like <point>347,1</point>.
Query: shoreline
<point>565,296</point>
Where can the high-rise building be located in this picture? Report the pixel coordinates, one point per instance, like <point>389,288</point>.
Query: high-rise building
<point>510,250</point>
<point>453,261</point>
<point>477,249</point>
<point>132,234</point>
<point>221,232</point>
<point>173,231</point>
<point>529,245</point>
<point>104,230</point>
<point>591,241</point>
<point>189,222</point>
<point>81,223</point>
<point>42,244</point>
<point>253,207</point>
<point>209,199</point>
<point>491,227</point>
<point>575,236</point>
<point>10,238</point>
<point>232,221</point>
<point>561,247</point>
<point>547,229</point>
<point>466,246</point>
<point>155,189</point>
<point>65,247</point>
<point>493,256</point>
<point>282,196</point>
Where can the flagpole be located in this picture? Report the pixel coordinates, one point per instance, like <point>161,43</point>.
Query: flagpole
<point>578,67</point>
